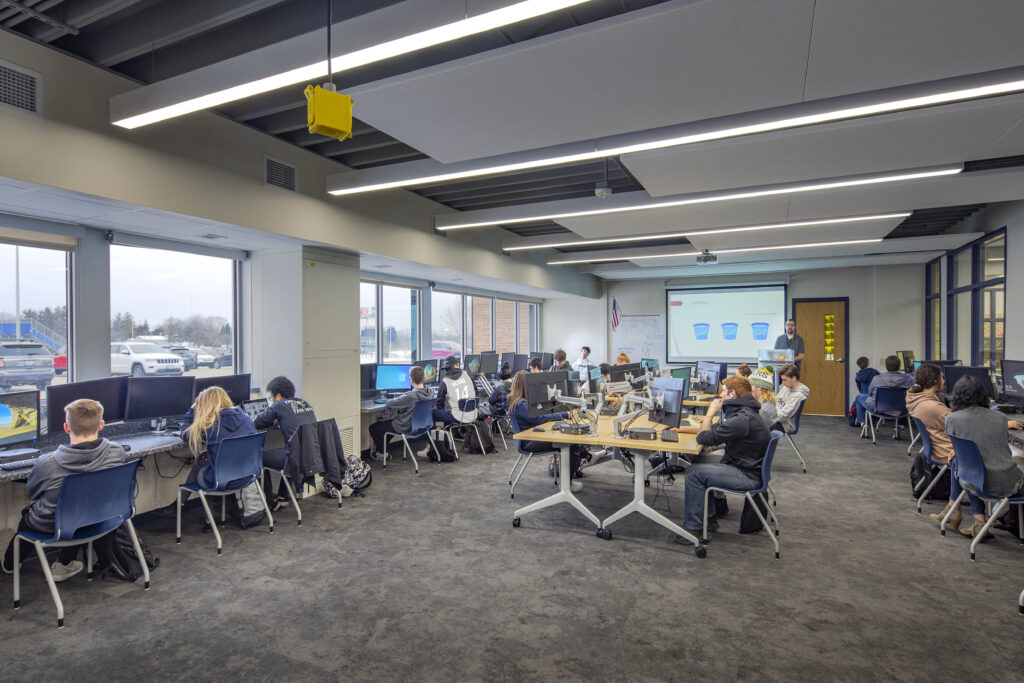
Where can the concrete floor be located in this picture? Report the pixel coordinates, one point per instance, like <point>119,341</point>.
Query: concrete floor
<point>425,579</point>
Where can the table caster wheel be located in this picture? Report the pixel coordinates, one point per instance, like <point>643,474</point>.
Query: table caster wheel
<point>515,522</point>
<point>700,551</point>
<point>605,534</point>
<point>647,482</point>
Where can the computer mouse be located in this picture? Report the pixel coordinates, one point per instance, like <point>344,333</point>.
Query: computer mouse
<point>538,429</point>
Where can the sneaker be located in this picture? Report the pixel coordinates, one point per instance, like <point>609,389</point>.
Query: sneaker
<point>346,490</point>
<point>575,486</point>
<point>424,454</point>
<point>63,572</point>
<point>278,503</point>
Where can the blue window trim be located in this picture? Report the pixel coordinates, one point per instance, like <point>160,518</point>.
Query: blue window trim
<point>974,354</point>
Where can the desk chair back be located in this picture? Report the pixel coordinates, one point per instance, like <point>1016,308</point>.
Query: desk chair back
<point>515,430</point>
<point>422,417</point>
<point>766,464</point>
<point>239,462</point>
<point>796,417</point>
<point>467,405</point>
<point>970,467</point>
<point>891,401</point>
<point>91,504</point>
<point>926,440</point>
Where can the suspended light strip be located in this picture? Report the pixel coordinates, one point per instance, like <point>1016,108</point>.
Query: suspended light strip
<point>695,233</point>
<point>791,189</point>
<point>564,262</point>
<point>392,48</point>
<point>885,107</point>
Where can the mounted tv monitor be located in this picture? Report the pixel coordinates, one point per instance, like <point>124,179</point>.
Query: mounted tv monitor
<point>728,324</point>
<point>672,391</point>
<point>539,387</point>
<point>429,369</point>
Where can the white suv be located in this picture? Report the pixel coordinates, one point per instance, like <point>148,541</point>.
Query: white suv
<point>142,358</point>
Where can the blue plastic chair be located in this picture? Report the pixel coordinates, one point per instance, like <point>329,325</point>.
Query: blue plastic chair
<point>970,470</point>
<point>422,423</point>
<point>466,405</point>
<point>796,429</point>
<point>766,477</point>
<point>890,404</point>
<point>90,505</point>
<point>926,442</point>
<point>1020,602</point>
<point>522,453</point>
<point>238,464</point>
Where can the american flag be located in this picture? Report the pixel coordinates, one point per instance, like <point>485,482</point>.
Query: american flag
<point>615,314</point>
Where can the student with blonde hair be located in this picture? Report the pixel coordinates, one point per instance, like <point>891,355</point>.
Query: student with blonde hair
<point>211,419</point>
<point>622,359</point>
<point>762,386</point>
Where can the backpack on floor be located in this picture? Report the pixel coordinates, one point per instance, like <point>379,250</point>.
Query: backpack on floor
<point>358,475</point>
<point>922,472</point>
<point>444,448</point>
<point>749,521</point>
<point>484,445</point>
<point>852,415</point>
<point>248,509</point>
<point>115,555</point>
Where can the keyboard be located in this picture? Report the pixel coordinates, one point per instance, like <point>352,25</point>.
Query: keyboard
<point>17,464</point>
<point>669,435</point>
<point>18,454</point>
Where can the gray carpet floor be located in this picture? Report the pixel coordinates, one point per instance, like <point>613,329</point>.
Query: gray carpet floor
<point>425,578</point>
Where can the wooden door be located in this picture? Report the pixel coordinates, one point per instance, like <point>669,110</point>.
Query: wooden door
<point>822,324</point>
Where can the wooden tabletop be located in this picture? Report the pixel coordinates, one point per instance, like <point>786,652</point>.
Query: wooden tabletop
<point>606,437</point>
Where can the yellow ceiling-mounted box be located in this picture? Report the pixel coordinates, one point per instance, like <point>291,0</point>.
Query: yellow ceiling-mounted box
<point>328,113</point>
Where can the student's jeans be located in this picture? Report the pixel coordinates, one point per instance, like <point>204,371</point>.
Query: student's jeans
<point>276,458</point>
<point>861,403</point>
<point>700,476</point>
<point>977,504</point>
<point>67,555</point>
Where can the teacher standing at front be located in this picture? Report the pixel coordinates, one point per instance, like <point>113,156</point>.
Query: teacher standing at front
<point>791,340</point>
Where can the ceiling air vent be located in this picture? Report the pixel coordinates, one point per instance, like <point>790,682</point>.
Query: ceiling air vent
<point>279,174</point>
<point>19,88</point>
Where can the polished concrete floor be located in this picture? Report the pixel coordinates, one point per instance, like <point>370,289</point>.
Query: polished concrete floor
<point>426,579</point>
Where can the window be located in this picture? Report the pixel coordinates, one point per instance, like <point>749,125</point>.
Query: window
<point>478,321</point>
<point>172,303</point>
<point>367,323</point>
<point>527,327</point>
<point>505,327</point>
<point>446,324</point>
<point>933,310</point>
<point>400,314</point>
<point>34,307</point>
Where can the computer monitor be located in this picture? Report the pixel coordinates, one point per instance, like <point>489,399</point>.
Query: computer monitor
<point>112,393</point>
<point>672,392</point>
<point>681,373</point>
<point>917,364</point>
<point>520,363</point>
<point>627,372</point>
<point>368,377</point>
<point>1013,378</point>
<point>547,360</point>
<point>704,366</point>
<point>238,387</point>
<point>574,376</point>
<point>538,388</point>
<point>393,378</point>
<point>153,397</point>
<point>471,364</point>
<point>19,418</point>
<point>536,354</point>
<point>953,373</point>
<point>507,357</point>
<point>944,363</point>
<point>650,365</point>
<point>708,375</point>
<point>429,370</point>
<point>906,360</point>
<point>489,363</point>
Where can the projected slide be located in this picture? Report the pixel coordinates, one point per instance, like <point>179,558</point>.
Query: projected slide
<point>724,325</point>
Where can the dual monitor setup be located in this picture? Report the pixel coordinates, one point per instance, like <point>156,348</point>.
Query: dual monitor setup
<point>123,398</point>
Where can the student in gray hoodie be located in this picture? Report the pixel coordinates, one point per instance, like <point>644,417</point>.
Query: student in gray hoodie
<point>86,452</point>
<point>397,416</point>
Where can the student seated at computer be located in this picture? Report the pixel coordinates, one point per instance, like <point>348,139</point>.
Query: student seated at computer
<point>612,399</point>
<point>535,365</point>
<point>866,373</point>
<point>583,361</point>
<point>971,419</point>
<point>455,386</point>
<point>891,378</point>
<point>560,361</point>
<point>83,420</point>
<point>397,415</point>
<point>211,419</point>
<point>790,395</point>
<point>924,402</point>
<point>520,410</point>
<point>288,413</point>
<point>745,437</point>
<point>762,386</point>
<point>743,371</point>
<point>622,359</point>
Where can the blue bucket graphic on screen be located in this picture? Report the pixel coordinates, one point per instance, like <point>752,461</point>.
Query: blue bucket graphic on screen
<point>700,331</point>
<point>760,330</point>
<point>729,330</point>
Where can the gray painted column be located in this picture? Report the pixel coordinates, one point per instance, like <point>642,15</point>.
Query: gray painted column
<point>90,308</point>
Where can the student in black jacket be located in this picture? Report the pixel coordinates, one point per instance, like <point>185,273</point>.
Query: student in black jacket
<point>288,413</point>
<point>745,437</point>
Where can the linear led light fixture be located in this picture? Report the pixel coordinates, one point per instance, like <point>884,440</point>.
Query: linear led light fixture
<point>721,197</point>
<point>884,107</point>
<point>568,261</point>
<point>520,11</point>
<point>695,233</point>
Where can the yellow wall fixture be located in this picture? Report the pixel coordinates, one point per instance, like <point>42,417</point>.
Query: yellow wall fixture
<point>328,113</point>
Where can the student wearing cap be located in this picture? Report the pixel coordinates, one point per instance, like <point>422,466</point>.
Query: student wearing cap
<point>762,384</point>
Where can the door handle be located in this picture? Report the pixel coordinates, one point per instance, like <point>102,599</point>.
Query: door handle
<point>839,360</point>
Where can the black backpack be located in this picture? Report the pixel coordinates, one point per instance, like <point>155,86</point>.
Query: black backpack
<point>750,523</point>
<point>484,445</point>
<point>444,449</point>
<point>922,472</point>
<point>115,555</point>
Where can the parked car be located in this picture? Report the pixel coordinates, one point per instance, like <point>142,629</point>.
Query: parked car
<point>24,363</point>
<point>443,350</point>
<point>205,360</point>
<point>142,358</point>
<point>224,360</point>
<point>188,356</point>
<point>60,363</point>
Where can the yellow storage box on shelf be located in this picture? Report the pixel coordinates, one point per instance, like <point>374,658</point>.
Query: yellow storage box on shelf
<point>328,113</point>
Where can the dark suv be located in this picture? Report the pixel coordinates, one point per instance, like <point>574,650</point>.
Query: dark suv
<point>187,356</point>
<point>25,362</point>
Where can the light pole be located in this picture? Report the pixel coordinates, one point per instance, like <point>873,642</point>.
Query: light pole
<point>17,293</point>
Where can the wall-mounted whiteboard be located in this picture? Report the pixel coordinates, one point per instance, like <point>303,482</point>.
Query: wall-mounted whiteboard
<point>639,336</point>
<point>727,324</point>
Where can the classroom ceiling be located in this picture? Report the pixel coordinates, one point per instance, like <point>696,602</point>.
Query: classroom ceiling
<point>611,72</point>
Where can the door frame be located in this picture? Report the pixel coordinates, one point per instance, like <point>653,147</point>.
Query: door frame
<point>846,333</point>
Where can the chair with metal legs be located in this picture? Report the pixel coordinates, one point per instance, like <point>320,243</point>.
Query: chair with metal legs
<point>89,505</point>
<point>422,423</point>
<point>766,475</point>
<point>970,469</point>
<point>796,428</point>
<point>890,404</point>
<point>466,405</point>
<point>1020,602</point>
<point>926,440</point>
<point>513,477</point>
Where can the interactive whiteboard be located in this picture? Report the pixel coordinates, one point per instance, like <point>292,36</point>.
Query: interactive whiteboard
<point>727,324</point>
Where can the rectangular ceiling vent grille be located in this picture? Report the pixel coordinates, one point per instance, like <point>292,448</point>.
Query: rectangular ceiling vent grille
<point>19,88</point>
<point>279,174</point>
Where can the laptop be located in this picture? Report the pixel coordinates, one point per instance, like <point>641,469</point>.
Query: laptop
<point>254,407</point>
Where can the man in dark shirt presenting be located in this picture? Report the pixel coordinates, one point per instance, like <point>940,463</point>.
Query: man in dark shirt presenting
<point>791,340</point>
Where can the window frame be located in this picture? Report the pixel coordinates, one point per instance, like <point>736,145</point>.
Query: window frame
<point>974,289</point>
<point>378,299</point>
